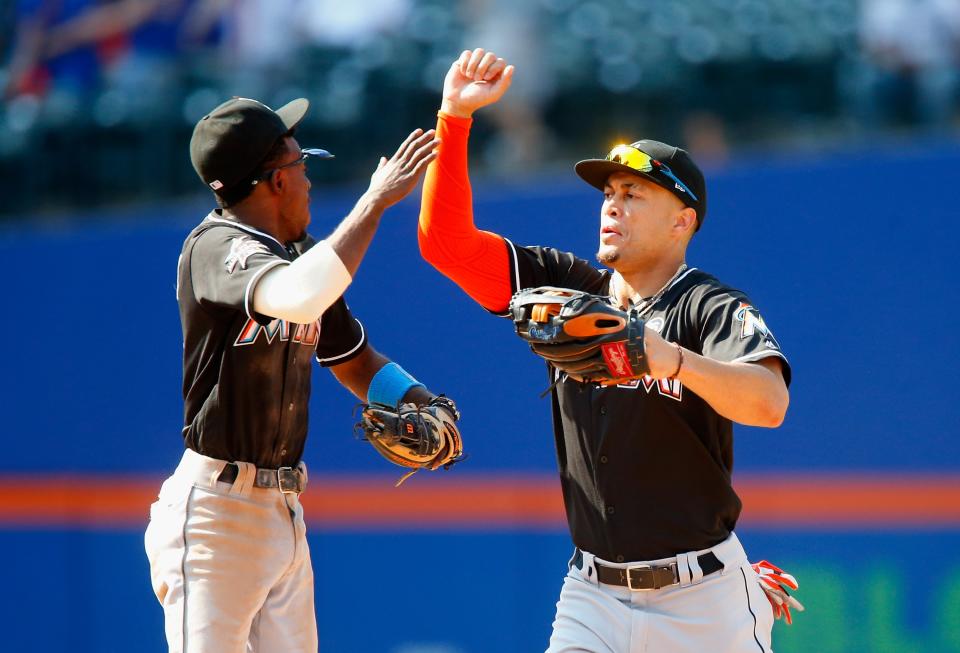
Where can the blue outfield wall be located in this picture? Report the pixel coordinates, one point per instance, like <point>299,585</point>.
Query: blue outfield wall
<point>850,258</point>
<point>442,592</point>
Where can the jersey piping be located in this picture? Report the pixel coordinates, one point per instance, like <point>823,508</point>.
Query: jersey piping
<point>363,338</point>
<point>247,295</point>
<point>760,355</point>
<point>245,227</point>
<point>516,273</point>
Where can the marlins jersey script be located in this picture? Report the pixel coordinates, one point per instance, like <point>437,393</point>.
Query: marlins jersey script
<point>646,466</point>
<point>245,373</point>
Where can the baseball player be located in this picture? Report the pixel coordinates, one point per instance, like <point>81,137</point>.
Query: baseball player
<point>645,463</point>
<point>259,300</point>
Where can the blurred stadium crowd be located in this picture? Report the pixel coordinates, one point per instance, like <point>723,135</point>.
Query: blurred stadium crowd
<point>100,96</point>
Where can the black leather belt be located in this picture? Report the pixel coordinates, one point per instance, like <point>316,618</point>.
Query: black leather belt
<point>288,480</point>
<point>647,577</point>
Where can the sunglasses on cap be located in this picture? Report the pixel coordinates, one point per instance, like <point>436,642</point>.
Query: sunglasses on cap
<point>305,154</point>
<point>642,162</point>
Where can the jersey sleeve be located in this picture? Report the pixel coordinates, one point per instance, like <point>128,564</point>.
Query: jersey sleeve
<point>225,266</point>
<point>342,336</point>
<point>732,330</point>
<point>535,266</point>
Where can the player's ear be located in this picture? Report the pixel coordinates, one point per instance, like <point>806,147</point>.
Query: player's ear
<point>685,220</point>
<point>277,181</point>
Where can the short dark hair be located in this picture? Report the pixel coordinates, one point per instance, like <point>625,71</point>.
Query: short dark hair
<point>228,197</point>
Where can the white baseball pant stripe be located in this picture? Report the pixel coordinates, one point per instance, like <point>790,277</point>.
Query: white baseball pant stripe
<point>724,612</point>
<point>229,563</point>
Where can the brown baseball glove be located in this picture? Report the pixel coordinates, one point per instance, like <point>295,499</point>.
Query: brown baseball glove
<point>414,436</point>
<point>583,335</point>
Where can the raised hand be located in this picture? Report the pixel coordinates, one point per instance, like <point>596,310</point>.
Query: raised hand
<point>395,177</point>
<point>476,79</point>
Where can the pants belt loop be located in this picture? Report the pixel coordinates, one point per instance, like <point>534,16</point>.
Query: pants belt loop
<point>589,571</point>
<point>684,569</point>
<point>214,474</point>
<point>246,475</point>
<point>696,573</point>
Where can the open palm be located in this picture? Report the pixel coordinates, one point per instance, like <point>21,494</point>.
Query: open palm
<point>475,80</point>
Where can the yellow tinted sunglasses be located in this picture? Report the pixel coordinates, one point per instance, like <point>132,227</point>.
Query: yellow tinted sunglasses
<point>642,162</point>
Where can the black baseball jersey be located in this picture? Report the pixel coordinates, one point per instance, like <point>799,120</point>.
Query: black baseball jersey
<point>246,376</point>
<point>646,466</point>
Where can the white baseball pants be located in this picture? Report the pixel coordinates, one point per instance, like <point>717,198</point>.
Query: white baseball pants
<point>725,612</point>
<point>229,563</point>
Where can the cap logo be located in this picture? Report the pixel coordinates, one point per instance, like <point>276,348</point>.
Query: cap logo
<point>216,184</point>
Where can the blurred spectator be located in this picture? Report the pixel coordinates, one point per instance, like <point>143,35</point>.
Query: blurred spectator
<point>705,137</point>
<point>336,23</point>
<point>513,29</point>
<point>65,42</point>
<point>88,58</point>
<point>129,77</point>
<point>910,67</point>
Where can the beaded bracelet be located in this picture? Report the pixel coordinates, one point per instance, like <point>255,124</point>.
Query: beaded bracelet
<point>679,361</point>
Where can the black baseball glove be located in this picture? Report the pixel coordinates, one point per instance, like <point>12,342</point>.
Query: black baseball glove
<point>414,436</point>
<point>582,335</point>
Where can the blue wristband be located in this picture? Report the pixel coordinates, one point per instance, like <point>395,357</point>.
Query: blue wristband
<point>390,384</point>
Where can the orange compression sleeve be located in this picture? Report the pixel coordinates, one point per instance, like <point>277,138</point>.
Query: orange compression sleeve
<point>475,260</point>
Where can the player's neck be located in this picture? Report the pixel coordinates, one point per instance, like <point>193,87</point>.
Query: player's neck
<point>255,217</point>
<point>643,282</point>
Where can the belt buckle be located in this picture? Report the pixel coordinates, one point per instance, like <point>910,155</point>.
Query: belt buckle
<point>630,578</point>
<point>286,488</point>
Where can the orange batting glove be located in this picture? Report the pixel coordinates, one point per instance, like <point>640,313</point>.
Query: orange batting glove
<point>775,581</point>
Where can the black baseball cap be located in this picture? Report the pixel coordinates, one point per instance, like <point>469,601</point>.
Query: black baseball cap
<point>665,165</point>
<point>230,142</point>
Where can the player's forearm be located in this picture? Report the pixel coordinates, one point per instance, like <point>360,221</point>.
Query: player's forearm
<point>353,235</point>
<point>356,374</point>
<point>446,207</point>
<point>753,394</point>
<point>302,291</point>
<point>475,260</point>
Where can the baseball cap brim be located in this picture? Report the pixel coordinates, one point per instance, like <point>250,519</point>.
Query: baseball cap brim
<point>293,112</point>
<point>596,172</point>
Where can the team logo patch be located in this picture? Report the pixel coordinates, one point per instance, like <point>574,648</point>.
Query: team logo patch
<point>751,323</point>
<point>242,248</point>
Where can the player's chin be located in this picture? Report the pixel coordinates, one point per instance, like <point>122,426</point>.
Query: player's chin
<point>607,255</point>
